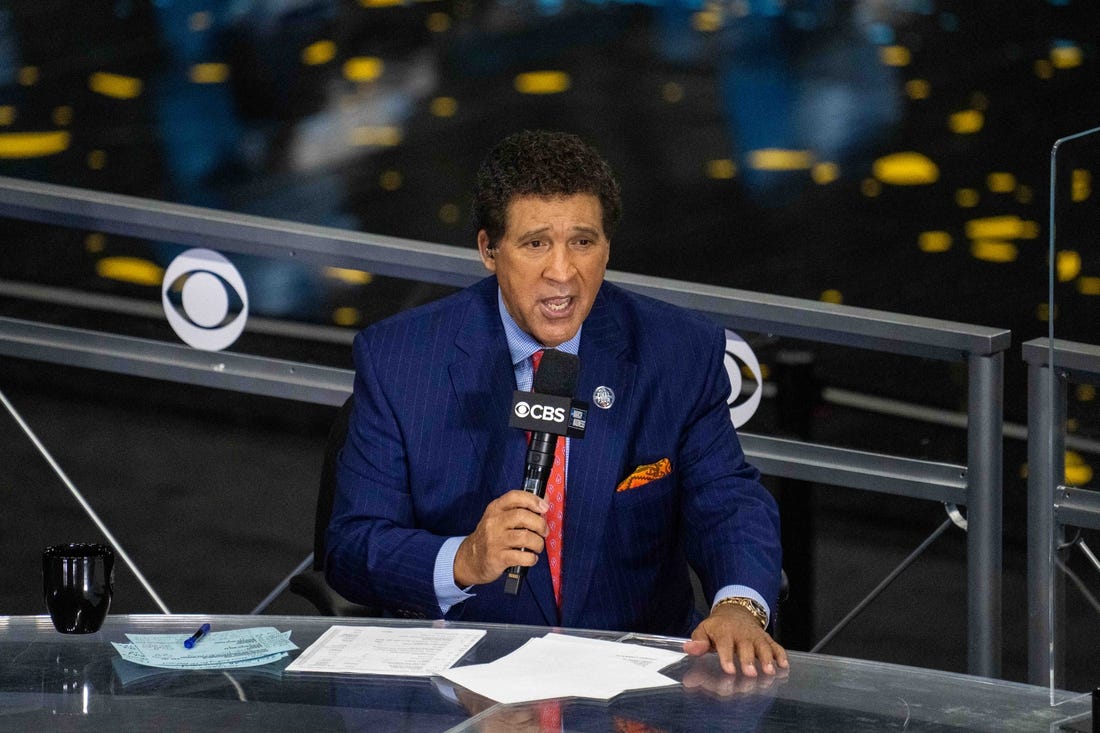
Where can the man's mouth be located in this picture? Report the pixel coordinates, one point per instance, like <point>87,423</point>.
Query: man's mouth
<point>557,305</point>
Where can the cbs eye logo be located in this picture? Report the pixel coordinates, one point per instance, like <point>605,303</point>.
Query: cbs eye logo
<point>739,356</point>
<point>204,299</point>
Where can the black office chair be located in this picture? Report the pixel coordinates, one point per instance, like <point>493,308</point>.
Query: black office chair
<point>311,584</point>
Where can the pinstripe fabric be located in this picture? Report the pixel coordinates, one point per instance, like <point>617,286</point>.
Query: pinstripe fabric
<point>429,446</point>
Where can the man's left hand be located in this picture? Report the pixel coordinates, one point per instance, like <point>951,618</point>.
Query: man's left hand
<point>736,635</point>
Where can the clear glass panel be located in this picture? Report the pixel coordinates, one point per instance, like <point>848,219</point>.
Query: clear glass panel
<point>1075,286</point>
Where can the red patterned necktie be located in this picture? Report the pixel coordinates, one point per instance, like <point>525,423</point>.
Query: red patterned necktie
<point>555,496</point>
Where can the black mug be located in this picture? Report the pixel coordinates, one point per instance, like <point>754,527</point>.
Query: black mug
<point>77,580</point>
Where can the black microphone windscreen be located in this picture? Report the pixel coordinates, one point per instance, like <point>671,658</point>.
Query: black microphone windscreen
<point>557,374</point>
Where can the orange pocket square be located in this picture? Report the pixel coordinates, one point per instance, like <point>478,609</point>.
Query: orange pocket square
<point>642,475</point>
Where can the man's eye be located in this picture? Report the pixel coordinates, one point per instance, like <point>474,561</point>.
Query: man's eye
<point>536,244</point>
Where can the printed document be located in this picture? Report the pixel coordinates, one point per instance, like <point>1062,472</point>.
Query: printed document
<point>418,652</point>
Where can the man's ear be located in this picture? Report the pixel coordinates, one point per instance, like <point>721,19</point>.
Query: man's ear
<point>486,250</point>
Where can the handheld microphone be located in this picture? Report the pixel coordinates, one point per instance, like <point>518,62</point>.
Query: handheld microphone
<point>548,412</point>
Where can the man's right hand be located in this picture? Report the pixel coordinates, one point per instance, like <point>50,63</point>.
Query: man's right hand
<point>510,532</point>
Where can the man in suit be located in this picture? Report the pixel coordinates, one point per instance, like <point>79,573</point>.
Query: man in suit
<point>427,514</point>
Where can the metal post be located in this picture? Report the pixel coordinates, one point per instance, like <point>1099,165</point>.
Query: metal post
<point>1046,399</point>
<point>797,395</point>
<point>984,514</point>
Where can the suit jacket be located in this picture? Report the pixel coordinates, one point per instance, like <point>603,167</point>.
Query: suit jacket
<point>429,447</point>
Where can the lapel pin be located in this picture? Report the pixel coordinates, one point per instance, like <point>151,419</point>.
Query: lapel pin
<point>603,397</point>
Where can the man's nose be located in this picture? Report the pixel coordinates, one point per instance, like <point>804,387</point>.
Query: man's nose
<point>559,265</point>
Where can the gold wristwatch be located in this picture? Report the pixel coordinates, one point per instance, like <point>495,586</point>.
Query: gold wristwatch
<point>749,605</point>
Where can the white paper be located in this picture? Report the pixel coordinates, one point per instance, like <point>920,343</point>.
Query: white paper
<point>381,650</point>
<point>556,667</point>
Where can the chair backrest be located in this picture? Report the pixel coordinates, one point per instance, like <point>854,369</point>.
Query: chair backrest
<point>326,492</point>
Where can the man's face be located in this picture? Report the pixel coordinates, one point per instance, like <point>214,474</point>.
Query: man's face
<point>549,263</point>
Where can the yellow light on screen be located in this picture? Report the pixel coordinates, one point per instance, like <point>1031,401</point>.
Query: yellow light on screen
<point>906,169</point>
<point>967,198</point>
<point>115,86</point>
<point>966,122</point>
<point>1000,182</point>
<point>918,89</point>
<point>895,55</point>
<point>1042,312</point>
<point>721,169</point>
<point>1024,194</point>
<point>132,270</point>
<point>22,145</point>
<point>824,173</point>
<point>779,159</point>
<point>96,160</point>
<point>391,180</point>
<point>1009,226</point>
<point>449,213</point>
<point>210,73</point>
<point>1065,56</point>
<point>28,76</point>
<point>63,116</point>
<point>349,276</point>
<point>831,296</point>
<point>541,82</point>
<point>318,53</point>
<point>1088,285</point>
<point>346,316</point>
<point>444,106</point>
<point>385,136</point>
<point>95,242</point>
<point>870,188</point>
<point>7,115</point>
<point>934,241</point>
<point>672,92</point>
<point>706,21</point>
<point>1085,392</point>
<point>1081,184</point>
<point>363,68</point>
<point>438,22</point>
<point>1044,69</point>
<point>993,250</point>
<point>1067,265</point>
<point>380,3</point>
<point>1078,473</point>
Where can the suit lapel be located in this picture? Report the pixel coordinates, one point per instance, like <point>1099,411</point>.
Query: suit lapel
<point>594,461</point>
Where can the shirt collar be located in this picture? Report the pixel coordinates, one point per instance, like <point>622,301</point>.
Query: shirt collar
<point>522,344</point>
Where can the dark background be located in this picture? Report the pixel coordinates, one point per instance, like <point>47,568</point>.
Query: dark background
<point>252,107</point>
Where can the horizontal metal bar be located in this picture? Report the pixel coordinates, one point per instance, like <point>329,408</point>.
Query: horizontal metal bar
<point>459,266</point>
<point>1082,360</point>
<point>1078,508</point>
<point>824,322</point>
<point>856,469</point>
<point>174,362</point>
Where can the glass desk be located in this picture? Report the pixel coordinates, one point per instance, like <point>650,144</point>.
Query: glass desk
<point>51,681</point>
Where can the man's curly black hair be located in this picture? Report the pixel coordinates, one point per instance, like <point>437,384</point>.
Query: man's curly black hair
<point>546,164</point>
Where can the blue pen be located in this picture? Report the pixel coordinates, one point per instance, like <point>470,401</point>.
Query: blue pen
<point>190,642</point>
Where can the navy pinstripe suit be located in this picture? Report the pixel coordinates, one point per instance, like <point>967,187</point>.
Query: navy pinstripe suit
<point>429,447</point>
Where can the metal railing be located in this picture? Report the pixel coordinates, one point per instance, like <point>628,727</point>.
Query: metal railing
<point>977,485</point>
